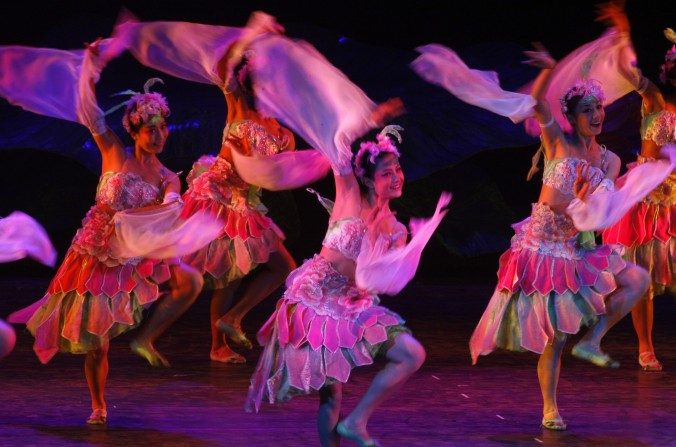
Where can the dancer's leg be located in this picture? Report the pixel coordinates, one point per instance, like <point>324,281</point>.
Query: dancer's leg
<point>632,283</point>
<point>268,278</point>
<point>185,285</point>
<point>549,367</point>
<point>405,357</point>
<point>330,399</point>
<point>96,373</point>
<point>221,301</point>
<point>642,317</point>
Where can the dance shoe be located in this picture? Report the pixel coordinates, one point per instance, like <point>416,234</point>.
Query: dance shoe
<point>234,333</point>
<point>98,417</point>
<point>226,356</point>
<point>649,362</point>
<point>346,433</point>
<point>557,424</point>
<point>596,357</point>
<point>149,353</point>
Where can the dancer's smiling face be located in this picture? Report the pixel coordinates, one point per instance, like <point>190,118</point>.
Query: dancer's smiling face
<point>388,177</point>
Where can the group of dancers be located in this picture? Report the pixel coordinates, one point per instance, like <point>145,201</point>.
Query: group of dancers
<point>146,250</point>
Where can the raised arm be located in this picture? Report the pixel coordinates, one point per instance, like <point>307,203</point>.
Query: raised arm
<point>109,144</point>
<point>551,131</point>
<point>348,195</point>
<point>614,15</point>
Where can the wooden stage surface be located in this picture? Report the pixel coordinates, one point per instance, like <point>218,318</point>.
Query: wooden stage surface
<point>447,403</point>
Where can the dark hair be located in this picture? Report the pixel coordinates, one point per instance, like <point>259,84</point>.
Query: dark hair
<point>364,160</point>
<point>246,83</point>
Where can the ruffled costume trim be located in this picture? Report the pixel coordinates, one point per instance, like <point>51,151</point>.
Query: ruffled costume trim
<point>647,233</point>
<point>93,298</point>
<point>548,281</point>
<point>248,236</point>
<point>322,328</point>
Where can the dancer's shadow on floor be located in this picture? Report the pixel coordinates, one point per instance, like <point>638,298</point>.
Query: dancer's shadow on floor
<point>113,436</point>
<point>551,438</point>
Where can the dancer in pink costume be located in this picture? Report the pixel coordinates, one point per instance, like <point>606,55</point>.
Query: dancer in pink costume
<point>554,279</point>
<point>647,233</point>
<point>101,289</point>
<point>327,323</point>
<point>21,236</point>
<point>249,239</point>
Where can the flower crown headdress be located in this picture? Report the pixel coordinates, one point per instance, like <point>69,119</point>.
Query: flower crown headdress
<point>669,57</point>
<point>382,144</point>
<point>148,105</point>
<point>583,87</point>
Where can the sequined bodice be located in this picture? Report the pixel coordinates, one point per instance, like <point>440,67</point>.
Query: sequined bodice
<point>345,235</point>
<point>258,139</point>
<point>560,173</point>
<point>659,127</point>
<point>125,190</point>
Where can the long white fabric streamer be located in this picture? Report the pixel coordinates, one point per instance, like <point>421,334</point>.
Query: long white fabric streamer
<point>387,271</point>
<point>22,236</point>
<point>603,208</point>
<point>440,65</point>
<point>599,59</point>
<point>159,232</point>
<point>283,171</point>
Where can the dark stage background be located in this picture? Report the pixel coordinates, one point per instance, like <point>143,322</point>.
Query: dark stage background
<point>49,168</point>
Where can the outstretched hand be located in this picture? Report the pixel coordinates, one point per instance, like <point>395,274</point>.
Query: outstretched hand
<point>540,57</point>
<point>612,13</point>
<point>386,111</point>
<point>93,47</point>
<point>581,184</point>
<point>260,22</point>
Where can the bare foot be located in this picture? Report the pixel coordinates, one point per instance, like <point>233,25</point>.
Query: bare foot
<point>226,355</point>
<point>148,352</point>
<point>234,332</point>
<point>357,435</point>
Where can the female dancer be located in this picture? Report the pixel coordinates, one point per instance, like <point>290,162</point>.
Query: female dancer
<point>551,281</point>
<point>96,296</point>
<point>325,324</point>
<point>249,238</point>
<point>646,232</point>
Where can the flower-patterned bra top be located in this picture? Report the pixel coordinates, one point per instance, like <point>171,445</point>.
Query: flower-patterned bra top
<point>560,173</point>
<point>126,190</point>
<point>259,139</point>
<point>345,236</point>
<point>659,127</point>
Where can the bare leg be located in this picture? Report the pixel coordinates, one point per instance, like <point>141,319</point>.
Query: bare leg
<point>405,357</point>
<point>632,283</point>
<point>549,367</point>
<point>642,317</point>
<point>221,301</point>
<point>96,373</point>
<point>268,279</point>
<point>186,284</point>
<point>330,399</point>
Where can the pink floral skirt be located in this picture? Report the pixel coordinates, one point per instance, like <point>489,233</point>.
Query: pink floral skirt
<point>647,233</point>
<point>248,236</point>
<point>322,327</point>
<point>90,302</point>
<point>549,281</point>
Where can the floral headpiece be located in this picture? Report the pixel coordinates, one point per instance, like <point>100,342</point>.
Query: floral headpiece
<point>146,106</point>
<point>583,87</point>
<point>382,144</point>
<point>669,57</point>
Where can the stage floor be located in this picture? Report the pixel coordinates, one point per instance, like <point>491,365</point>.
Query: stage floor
<point>448,402</point>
